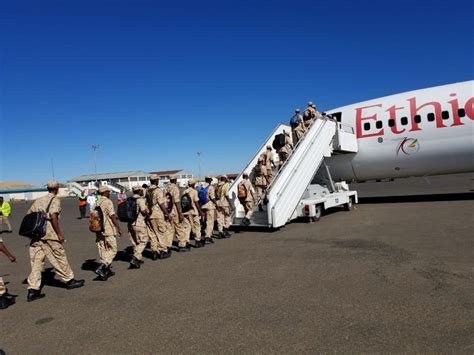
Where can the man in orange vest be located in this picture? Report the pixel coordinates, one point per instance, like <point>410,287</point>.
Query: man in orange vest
<point>82,205</point>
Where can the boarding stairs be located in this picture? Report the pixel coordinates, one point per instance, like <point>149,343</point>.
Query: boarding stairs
<point>324,138</point>
<point>75,189</point>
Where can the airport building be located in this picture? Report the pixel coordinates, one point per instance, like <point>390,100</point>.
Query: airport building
<point>18,191</point>
<point>127,179</point>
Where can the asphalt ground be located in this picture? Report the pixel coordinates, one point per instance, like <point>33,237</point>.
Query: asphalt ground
<point>384,277</point>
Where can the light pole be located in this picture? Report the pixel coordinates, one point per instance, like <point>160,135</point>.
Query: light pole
<point>52,169</point>
<point>94,149</point>
<point>199,163</point>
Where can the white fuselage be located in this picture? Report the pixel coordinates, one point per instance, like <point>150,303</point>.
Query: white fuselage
<point>416,133</point>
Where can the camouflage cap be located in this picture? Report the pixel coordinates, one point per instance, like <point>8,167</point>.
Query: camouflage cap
<point>53,184</point>
<point>103,188</point>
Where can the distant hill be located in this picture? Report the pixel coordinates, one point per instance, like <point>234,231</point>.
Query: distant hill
<point>11,185</point>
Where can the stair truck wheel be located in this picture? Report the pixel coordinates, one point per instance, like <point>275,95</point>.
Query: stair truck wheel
<point>348,206</point>
<point>319,212</point>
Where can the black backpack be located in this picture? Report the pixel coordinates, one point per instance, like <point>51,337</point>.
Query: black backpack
<point>169,205</point>
<point>307,115</point>
<point>279,141</point>
<point>186,203</point>
<point>128,211</point>
<point>34,224</point>
<point>149,198</point>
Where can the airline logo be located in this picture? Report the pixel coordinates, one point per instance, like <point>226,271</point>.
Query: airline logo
<point>459,114</point>
<point>408,146</point>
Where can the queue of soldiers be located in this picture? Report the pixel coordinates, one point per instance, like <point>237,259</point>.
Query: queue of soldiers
<point>262,173</point>
<point>161,215</point>
<point>157,216</point>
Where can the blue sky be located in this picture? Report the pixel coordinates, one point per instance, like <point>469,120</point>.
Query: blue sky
<point>154,82</point>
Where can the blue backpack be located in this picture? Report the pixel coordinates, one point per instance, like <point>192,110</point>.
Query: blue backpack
<point>202,195</point>
<point>294,121</point>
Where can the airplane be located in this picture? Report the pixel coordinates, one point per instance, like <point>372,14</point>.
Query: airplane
<point>416,133</point>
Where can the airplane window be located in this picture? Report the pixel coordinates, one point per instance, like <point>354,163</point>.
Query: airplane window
<point>367,126</point>
<point>461,112</point>
<point>391,122</point>
<point>404,121</point>
<point>431,117</point>
<point>378,124</point>
<point>445,115</point>
<point>417,118</point>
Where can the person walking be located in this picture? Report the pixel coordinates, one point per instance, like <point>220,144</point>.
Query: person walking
<point>82,204</point>
<point>5,210</point>
<point>194,214</point>
<point>223,207</point>
<point>207,199</point>
<point>179,224</point>
<point>159,223</point>
<point>6,299</point>
<point>106,241</point>
<point>50,247</point>
<point>246,195</point>
<point>138,229</point>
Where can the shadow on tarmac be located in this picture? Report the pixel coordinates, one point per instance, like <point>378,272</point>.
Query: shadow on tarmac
<point>418,198</point>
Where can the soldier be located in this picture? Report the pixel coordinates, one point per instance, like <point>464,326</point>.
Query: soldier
<point>246,196</point>
<point>285,151</point>
<point>223,208</point>
<point>179,223</point>
<point>138,230</point>
<point>160,228</point>
<point>317,114</point>
<point>195,213</point>
<point>6,299</point>
<point>207,199</point>
<point>298,127</point>
<point>50,246</point>
<point>261,183</point>
<point>106,241</point>
<point>268,162</point>
<point>309,115</point>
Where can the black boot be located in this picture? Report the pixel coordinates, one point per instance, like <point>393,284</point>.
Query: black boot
<point>185,248</point>
<point>155,255</point>
<point>74,284</point>
<point>260,208</point>
<point>219,235</point>
<point>101,272</point>
<point>227,233</point>
<point>199,243</point>
<point>245,222</point>
<point>164,254</point>
<point>135,263</point>
<point>6,301</point>
<point>9,295</point>
<point>109,271</point>
<point>34,295</point>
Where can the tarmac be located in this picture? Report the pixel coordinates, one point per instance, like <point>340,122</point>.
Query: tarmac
<point>395,274</point>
